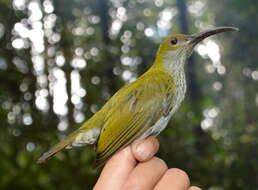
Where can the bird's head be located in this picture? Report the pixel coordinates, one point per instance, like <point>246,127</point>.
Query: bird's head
<point>176,48</point>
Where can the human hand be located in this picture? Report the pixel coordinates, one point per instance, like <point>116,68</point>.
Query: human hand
<point>135,167</point>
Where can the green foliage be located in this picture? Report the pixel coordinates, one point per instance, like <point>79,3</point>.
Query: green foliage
<point>104,44</point>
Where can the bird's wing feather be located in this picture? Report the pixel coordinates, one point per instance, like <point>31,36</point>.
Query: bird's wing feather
<point>132,110</point>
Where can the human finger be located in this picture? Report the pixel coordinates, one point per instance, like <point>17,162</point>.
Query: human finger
<point>194,188</point>
<point>146,175</point>
<point>175,178</point>
<point>116,170</point>
<point>144,150</point>
<point>120,165</point>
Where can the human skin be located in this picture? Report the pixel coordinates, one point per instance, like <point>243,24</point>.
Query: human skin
<point>136,168</point>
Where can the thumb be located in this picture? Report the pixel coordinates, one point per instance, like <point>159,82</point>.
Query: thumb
<point>145,149</point>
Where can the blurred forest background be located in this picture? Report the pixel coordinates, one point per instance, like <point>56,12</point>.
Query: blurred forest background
<point>60,60</point>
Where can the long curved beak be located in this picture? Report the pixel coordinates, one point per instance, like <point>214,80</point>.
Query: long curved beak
<point>196,38</point>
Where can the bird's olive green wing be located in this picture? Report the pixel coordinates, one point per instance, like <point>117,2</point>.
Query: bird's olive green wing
<point>132,110</point>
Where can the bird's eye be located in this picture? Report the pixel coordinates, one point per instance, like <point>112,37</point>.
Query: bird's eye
<point>173,41</point>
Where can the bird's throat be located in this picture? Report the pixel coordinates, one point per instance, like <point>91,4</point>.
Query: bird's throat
<point>173,63</point>
<point>175,68</point>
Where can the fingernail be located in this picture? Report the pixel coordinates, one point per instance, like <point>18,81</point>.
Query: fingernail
<point>143,149</point>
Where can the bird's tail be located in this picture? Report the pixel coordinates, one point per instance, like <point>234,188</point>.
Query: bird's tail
<point>59,146</point>
<point>88,133</point>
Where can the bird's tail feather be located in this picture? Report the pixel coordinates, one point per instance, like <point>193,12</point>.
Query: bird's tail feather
<point>59,146</point>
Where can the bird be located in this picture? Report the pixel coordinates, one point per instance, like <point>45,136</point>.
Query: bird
<point>142,108</point>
